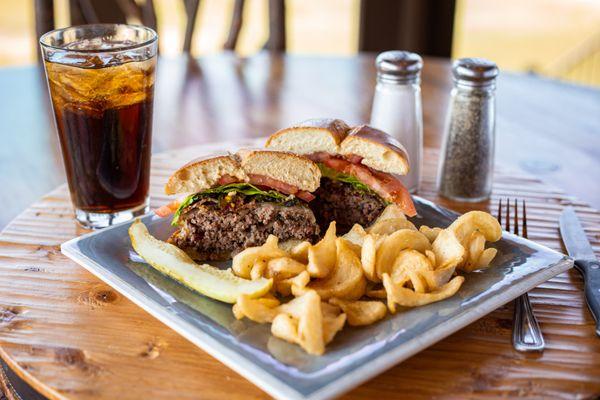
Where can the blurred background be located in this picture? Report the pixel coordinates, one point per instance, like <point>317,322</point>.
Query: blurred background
<point>552,38</point>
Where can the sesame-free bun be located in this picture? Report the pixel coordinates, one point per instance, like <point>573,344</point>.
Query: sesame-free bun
<point>204,173</point>
<point>311,136</point>
<point>378,150</point>
<point>284,166</point>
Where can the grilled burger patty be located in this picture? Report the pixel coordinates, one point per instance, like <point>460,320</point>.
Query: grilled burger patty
<point>212,229</point>
<point>345,204</point>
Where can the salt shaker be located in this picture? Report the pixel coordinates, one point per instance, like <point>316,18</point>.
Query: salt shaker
<point>397,106</point>
<point>467,157</point>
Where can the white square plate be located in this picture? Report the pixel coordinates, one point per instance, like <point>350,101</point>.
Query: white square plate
<point>356,354</point>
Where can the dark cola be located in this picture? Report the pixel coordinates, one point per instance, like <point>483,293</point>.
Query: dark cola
<point>104,120</point>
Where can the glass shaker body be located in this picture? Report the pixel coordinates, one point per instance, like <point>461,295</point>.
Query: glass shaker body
<point>467,155</point>
<point>397,111</point>
<point>397,107</point>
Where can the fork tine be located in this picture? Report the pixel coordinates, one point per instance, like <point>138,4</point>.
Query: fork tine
<point>499,217</point>
<point>507,222</point>
<point>524,220</point>
<point>516,216</point>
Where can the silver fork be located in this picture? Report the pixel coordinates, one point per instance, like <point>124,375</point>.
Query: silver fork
<point>526,334</point>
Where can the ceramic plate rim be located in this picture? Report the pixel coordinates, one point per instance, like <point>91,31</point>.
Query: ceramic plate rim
<point>271,384</point>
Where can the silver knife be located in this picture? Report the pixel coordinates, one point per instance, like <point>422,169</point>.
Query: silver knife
<point>579,248</point>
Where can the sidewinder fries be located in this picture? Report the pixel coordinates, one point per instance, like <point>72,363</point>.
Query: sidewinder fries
<point>360,313</point>
<point>321,257</point>
<point>346,281</point>
<point>309,292</point>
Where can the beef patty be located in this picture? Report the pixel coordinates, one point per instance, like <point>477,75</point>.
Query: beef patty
<point>343,203</point>
<point>213,230</point>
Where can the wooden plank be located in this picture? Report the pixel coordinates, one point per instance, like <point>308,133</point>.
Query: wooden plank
<point>71,336</point>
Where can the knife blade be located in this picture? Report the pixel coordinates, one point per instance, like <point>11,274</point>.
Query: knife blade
<point>579,247</point>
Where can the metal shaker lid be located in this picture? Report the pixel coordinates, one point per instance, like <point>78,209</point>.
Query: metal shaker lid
<point>474,72</point>
<point>398,66</point>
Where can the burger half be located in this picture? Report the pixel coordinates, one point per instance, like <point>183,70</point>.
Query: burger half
<point>359,166</point>
<point>234,201</point>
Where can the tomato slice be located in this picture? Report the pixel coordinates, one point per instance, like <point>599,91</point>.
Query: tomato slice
<point>227,179</point>
<point>167,209</point>
<point>263,180</point>
<point>304,195</point>
<point>385,185</point>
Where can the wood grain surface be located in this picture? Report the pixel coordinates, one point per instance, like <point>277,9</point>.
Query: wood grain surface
<point>544,127</point>
<point>73,337</point>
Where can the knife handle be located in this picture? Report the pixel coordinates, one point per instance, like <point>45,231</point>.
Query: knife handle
<point>591,276</point>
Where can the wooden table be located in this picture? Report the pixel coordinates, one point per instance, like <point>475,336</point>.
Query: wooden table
<point>71,336</point>
<point>547,128</point>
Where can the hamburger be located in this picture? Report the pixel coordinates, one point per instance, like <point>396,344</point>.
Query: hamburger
<point>360,170</point>
<point>234,201</point>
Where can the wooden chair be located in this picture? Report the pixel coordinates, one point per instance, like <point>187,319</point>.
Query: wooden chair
<point>119,11</point>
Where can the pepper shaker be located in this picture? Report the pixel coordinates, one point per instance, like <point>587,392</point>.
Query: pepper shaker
<point>467,157</point>
<point>397,107</point>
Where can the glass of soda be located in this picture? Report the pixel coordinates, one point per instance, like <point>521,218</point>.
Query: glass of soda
<point>101,81</point>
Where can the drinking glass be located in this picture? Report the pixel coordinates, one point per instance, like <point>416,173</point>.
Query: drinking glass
<point>101,82</point>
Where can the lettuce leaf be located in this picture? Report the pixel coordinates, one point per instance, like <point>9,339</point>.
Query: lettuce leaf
<point>339,176</point>
<point>243,188</point>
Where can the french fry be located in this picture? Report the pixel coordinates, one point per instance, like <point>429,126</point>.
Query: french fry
<point>243,262</point>
<point>397,295</point>
<point>475,246</point>
<point>377,293</point>
<point>284,287</point>
<point>391,211</point>
<point>257,310</point>
<point>389,226</point>
<point>258,269</point>
<point>346,281</point>
<point>361,313</point>
<point>394,243</point>
<point>300,252</point>
<point>449,252</point>
<point>480,221</point>
<point>321,257</point>
<point>356,235</point>
<point>486,258</point>
<point>333,321</point>
<point>283,268</point>
<point>308,331</point>
<point>368,255</point>
<point>437,278</point>
<point>288,327</point>
<point>431,233</point>
<point>431,256</point>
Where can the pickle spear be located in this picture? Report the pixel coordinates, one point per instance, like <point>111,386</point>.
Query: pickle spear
<point>205,279</point>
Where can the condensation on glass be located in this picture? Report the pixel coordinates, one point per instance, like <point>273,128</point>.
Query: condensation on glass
<point>101,81</point>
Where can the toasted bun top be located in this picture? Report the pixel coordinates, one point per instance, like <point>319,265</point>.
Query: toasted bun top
<point>379,150</point>
<point>204,173</point>
<point>284,166</point>
<point>311,136</point>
